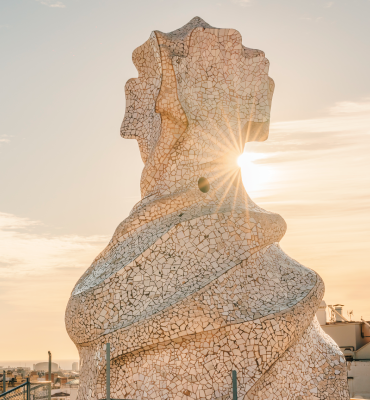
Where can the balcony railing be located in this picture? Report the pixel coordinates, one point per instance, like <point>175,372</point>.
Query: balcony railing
<point>28,391</point>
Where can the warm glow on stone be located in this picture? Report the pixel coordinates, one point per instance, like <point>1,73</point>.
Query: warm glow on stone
<point>193,284</point>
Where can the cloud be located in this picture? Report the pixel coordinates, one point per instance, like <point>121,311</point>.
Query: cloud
<point>9,222</point>
<point>4,139</point>
<point>26,252</point>
<point>345,126</point>
<point>329,4</point>
<point>243,3</point>
<point>320,185</point>
<point>37,273</point>
<point>51,3</point>
<point>349,107</point>
<point>317,19</point>
<point>319,162</point>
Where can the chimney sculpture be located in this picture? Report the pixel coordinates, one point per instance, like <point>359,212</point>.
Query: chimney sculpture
<point>193,284</point>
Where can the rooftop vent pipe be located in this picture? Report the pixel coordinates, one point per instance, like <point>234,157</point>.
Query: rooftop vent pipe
<point>339,309</point>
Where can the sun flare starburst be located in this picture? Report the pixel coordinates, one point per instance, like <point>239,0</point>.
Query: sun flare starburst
<point>255,174</point>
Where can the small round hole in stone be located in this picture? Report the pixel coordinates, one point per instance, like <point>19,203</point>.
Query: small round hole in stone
<point>203,185</point>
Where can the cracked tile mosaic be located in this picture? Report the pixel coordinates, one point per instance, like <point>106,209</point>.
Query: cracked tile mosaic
<point>194,284</point>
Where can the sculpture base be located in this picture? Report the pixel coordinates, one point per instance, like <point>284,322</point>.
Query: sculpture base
<point>200,368</point>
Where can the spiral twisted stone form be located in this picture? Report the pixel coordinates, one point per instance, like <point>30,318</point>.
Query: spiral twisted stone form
<point>193,284</point>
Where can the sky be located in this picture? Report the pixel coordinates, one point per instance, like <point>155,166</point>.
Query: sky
<point>67,178</point>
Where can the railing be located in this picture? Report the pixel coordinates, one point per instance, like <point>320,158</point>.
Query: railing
<point>17,393</point>
<point>28,391</point>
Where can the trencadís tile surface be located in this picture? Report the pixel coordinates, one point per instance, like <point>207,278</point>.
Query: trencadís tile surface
<point>193,284</point>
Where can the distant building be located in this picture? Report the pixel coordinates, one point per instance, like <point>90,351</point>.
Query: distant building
<point>23,371</point>
<point>353,338</point>
<point>11,380</point>
<point>7,380</point>
<point>62,380</point>
<point>44,366</point>
<point>75,366</point>
<point>60,396</point>
<point>74,383</point>
<point>33,376</point>
<point>54,377</point>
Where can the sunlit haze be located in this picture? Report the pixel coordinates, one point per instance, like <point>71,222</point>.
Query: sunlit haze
<point>68,179</point>
<point>256,176</point>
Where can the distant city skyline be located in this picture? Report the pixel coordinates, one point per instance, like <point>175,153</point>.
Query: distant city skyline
<point>68,178</point>
<point>64,364</point>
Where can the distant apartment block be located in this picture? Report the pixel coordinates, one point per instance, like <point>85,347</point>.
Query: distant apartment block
<point>353,338</point>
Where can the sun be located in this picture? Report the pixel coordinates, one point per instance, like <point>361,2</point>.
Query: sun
<point>255,174</point>
<point>246,158</point>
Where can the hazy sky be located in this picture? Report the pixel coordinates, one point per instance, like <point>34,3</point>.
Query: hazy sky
<point>67,178</point>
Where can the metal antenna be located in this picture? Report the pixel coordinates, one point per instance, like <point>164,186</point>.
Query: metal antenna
<point>235,386</point>
<point>49,366</point>
<point>49,374</point>
<point>108,370</point>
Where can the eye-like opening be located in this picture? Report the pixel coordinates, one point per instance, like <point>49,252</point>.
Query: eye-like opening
<point>203,185</point>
